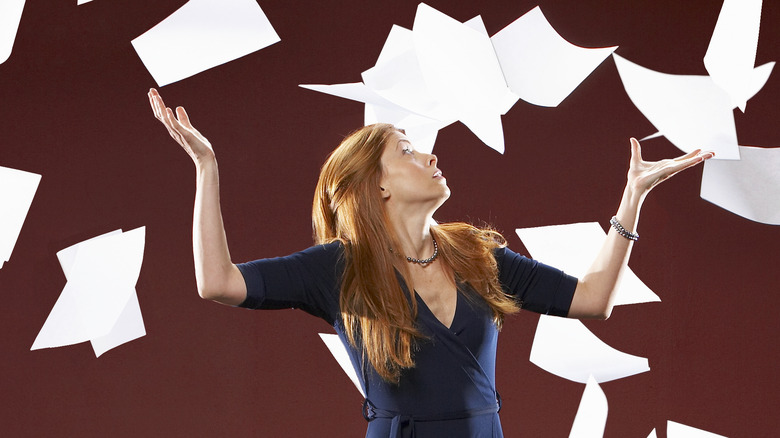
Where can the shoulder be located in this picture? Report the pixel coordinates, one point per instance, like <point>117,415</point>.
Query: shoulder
<point>325,258</point>
<point>317,258</point>
<point>506,258</point>
<point>329,250</point>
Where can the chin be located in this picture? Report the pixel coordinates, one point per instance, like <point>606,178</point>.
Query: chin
<point>445,195</point>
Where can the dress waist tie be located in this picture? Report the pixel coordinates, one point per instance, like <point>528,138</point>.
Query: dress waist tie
<point>402,425</point>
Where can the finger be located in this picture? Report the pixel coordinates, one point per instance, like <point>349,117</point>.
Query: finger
<point>688,155</point>
<point>162,109</point>
<point>171,117</point>
<point>687,163</point>
<point>184,119</point>
<point>172,124</point>
<point>153,103</point>
<point>159,108</point>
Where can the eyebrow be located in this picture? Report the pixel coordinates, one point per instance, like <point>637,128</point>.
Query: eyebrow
<point>404,141</point>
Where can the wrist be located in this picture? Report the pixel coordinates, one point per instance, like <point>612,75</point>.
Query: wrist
<point>205,164</point>
<point>630,205</point>
<point>633,197</point>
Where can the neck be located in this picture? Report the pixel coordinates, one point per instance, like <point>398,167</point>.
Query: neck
<point>413,231</point>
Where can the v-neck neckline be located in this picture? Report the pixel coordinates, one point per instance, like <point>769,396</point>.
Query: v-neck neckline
<point>428,309</point>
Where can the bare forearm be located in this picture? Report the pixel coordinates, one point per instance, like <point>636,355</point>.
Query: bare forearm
<point>595,294</point>
<point>217,278</point>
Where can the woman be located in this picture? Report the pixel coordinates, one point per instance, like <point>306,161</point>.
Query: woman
<point>417,304</point>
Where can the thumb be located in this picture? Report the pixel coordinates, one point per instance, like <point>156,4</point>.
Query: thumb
<point>636,151</point>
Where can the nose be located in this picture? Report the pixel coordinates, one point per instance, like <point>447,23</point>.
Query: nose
<point>433,160</point>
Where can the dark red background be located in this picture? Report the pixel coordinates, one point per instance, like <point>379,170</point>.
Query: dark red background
<point>74,109</point>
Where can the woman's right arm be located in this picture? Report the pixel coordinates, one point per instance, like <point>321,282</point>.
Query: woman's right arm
<point>218,279</point>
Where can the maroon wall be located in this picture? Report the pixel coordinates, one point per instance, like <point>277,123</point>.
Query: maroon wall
<point>74,109</point>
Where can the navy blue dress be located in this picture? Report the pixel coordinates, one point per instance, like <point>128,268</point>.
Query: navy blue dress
<point>451,390</point>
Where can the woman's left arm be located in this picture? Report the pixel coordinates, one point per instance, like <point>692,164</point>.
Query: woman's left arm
<point>595,293</point>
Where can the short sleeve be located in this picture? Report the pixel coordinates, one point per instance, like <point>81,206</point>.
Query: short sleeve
<point>308,280</point>
<point>537,287</point>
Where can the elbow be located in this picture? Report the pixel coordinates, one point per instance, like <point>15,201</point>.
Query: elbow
<point>209,291</point>
<point>220,295</point>
<point>603,315</point>
<point>594,313</point>
<point>224,290</point>
<point>207,294</point>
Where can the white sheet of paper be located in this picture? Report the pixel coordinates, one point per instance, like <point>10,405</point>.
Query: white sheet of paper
<point>407,88</point>
<point>10,16</point>
<point>450,84</point>
<point>203,34</point>
<point>356,91</point>
<point>477,24</point>
<point>17,190</point>
<point>461,70</point>
<point>81,2</point>
<point>692,112</point>
<point>129,326</point>
<point>420,130</point>
<point>98,302</point>
<point>539,65</point>
<point>566,348</point>
<point>399,41</point>
<point>339,353</point>
<point>591,416</point>
<point>749,187</point>
<point>572,248</point>
<point>446,71</point>
<point>652,434</point>
<point>400,81</point>
<point>731,55</point>
<point>677,430</point>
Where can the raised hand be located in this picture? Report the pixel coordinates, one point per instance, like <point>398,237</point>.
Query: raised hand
<point>596,289</point>
<point>644,175</point>
<point>181,129</point>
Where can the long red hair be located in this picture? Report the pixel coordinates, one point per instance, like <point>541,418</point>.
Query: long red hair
<point>348,207</point>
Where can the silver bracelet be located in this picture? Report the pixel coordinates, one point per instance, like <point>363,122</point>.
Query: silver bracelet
<point>622,231</point>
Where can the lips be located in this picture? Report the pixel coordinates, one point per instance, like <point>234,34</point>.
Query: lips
<point>437,174</point>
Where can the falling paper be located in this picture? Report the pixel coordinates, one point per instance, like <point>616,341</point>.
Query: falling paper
<point>17,189</point>
<point>443,71</point>
<point>99,301</point>
<point>539,65</point>
<point>677,430</point>
<point>339,352</point>
<point>731,56</point>
<point>398,77</point>
<point>566,348</point>
<point>591,416</point>
<point>462,72</point>
<point>420,130</point>
<point>573,248</point>
<point>692,112</point>
<point>203,34</point>
<point>81,2</point>
<point>749,187</point>
<point>357,91</point>
<point>10,15</point>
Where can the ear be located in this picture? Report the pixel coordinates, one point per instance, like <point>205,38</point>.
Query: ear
<point>385,192</point>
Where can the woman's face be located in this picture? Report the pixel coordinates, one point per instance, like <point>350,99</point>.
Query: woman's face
<point>411,178</point>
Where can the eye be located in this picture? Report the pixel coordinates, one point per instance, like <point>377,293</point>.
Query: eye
<point>407,150</point>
